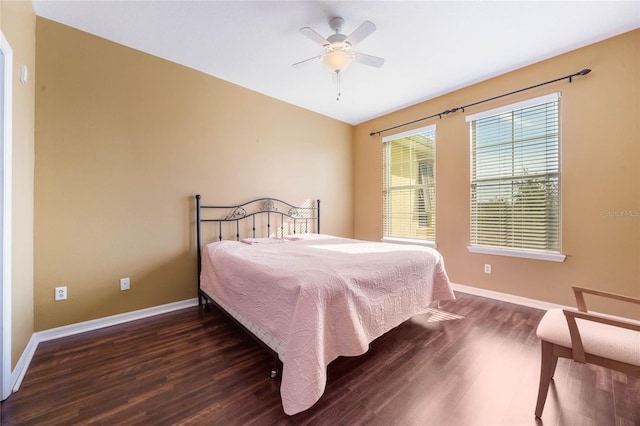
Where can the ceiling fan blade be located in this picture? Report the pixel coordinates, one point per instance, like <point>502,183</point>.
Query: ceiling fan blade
<point>308,61</point>
<point>372,61</point>
<point>314,36</point>
<point>363,31</point>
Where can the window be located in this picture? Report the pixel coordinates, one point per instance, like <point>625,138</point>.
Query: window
<point>410,186</point>
<point>515,179</point>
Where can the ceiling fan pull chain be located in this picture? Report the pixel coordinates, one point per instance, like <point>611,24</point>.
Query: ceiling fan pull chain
<point>338,84</point>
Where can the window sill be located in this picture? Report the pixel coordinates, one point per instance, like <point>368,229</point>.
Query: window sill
<point>511,252</point>
<point>414,241</point>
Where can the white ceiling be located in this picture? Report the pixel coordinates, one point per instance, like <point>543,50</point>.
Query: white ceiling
<point>430,47</point>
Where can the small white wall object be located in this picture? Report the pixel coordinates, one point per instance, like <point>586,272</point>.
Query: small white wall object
<point>24,74</point>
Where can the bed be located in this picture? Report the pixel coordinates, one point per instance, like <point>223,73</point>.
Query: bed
<point>309,297</point>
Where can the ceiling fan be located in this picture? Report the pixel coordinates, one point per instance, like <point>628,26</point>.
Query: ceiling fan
<point>338,54</point>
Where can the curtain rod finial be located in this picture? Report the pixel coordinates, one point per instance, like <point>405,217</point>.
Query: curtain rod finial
<point>584,71</point>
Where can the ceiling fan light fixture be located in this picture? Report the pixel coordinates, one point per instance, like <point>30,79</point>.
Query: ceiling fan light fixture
<point>337,60</point>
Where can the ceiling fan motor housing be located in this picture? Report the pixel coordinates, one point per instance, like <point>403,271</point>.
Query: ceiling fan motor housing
<point>336,24</point>
<point>337,40</point>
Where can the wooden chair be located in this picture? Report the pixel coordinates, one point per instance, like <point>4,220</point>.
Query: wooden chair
<point>587,338</point>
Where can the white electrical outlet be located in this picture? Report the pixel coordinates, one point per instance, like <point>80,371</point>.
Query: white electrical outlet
<point>61,293</point>
<point>125,284</point>
<point>487,268</point>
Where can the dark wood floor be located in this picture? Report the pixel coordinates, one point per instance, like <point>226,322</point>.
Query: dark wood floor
<point>194,367</point>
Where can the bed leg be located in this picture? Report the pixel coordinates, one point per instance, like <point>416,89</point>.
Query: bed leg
<point>275,368</point>
<point>203,301</point>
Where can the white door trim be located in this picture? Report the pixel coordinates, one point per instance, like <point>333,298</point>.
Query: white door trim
<point>5,286</point>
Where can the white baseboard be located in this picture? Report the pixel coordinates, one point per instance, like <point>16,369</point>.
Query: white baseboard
<point>81,327</point>
<point>55,333</point>
<point>23,363</point>
<point>505,297</point>
<point>531,303</point>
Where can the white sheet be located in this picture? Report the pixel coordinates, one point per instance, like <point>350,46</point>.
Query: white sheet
<point>322,298</point>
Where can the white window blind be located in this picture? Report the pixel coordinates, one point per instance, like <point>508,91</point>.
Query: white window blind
<point>515,176</point>
<point>409,187</point>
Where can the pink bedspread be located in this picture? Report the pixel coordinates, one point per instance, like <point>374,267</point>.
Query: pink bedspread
<point>322,298</point>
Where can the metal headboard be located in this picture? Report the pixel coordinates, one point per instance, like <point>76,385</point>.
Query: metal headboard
<point>291,219</point>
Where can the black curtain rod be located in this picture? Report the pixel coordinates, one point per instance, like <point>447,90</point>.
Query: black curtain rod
<point>449,111</point>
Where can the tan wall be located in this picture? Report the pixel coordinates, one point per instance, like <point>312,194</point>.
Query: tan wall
<point>18,25</point>
<point>123,142</point>
<point>600,174</point>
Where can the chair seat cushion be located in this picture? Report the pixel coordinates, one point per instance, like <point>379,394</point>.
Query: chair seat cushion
<point>599,339</point>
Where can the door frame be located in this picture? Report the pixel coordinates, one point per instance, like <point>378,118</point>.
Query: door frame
<point>6,120</point>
